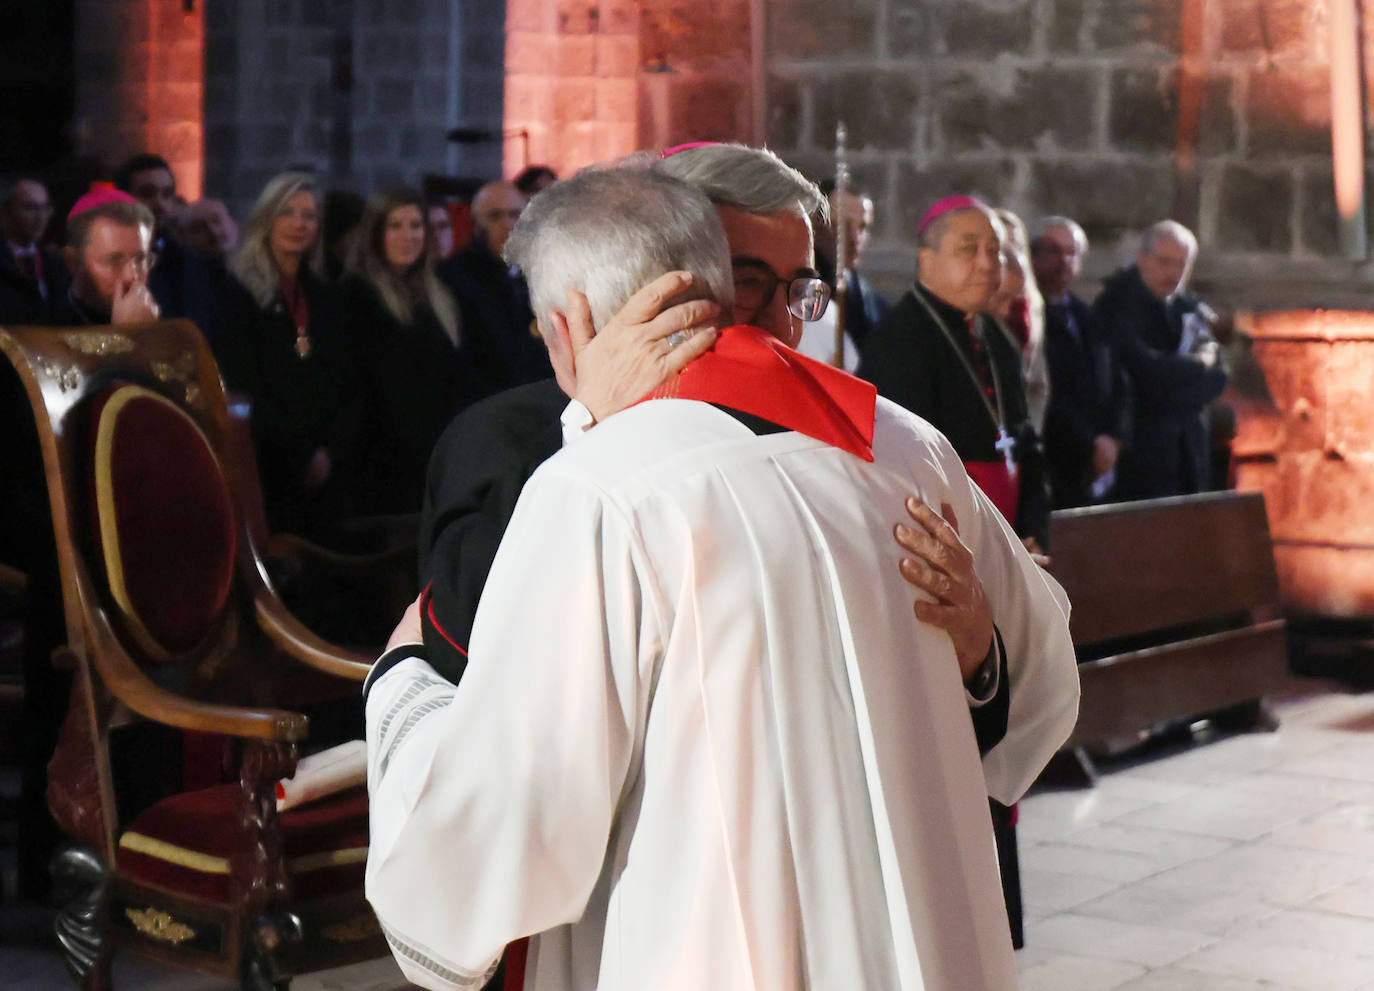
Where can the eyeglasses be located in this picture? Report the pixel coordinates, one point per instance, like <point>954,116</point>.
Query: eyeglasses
<point>756,284</point>
<point>142,263</point>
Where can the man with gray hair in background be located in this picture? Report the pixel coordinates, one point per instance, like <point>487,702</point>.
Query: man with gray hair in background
<point>720,755</point>
<point>1086,422</point>
<point>1164,339</point>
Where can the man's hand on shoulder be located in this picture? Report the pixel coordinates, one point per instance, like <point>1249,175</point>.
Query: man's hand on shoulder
<point>942,566</point>
<point>637,351</point>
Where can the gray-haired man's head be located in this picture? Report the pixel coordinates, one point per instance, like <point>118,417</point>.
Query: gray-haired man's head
<point>766,207</point>
<point>609,232</point>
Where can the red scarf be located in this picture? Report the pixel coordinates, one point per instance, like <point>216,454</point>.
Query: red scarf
<point>751,371</point>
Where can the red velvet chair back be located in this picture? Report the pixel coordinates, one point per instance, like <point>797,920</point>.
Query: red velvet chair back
<point>136,479</point>
<point>162,519</point>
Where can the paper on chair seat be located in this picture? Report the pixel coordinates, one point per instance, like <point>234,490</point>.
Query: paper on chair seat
<point>324,773</point>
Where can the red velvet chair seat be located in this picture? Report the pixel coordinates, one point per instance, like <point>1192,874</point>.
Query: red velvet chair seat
<point>164,520</point>
<point>184,844</point>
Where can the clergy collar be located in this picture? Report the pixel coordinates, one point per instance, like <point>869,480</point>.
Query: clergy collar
<point>751,371</point>
<point>87,313</point>
<point>952,315</point>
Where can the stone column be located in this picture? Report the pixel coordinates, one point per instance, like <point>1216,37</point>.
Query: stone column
<point>1305,438</point>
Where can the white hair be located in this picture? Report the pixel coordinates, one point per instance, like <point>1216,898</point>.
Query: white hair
<point>1168,230</point>
<point>608,232</point>
<point>1047,224</point>
<point>750,179</point>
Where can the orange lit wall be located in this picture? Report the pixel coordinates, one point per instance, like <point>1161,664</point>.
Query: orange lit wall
<point>597,80</point>
<point>1306,440</point>
<point>175,124</point>
<point>147,93</point>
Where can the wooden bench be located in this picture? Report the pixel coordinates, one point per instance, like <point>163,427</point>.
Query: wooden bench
<point>1175,613</point>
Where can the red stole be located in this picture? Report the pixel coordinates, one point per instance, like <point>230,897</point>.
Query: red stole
<point>751,371</point>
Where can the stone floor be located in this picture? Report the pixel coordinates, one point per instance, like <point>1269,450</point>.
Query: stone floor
<point>1237,863</point>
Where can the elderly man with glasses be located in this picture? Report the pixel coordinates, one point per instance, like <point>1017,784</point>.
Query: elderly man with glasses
<point>939,354</point>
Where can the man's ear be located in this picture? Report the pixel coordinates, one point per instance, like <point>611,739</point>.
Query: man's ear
<point>72,257</point>
<point>561,333</point>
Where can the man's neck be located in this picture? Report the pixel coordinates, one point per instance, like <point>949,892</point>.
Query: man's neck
<point>483,250</point>
<point>945,305</point>
<point>289,266</point>
<point>97,312</point>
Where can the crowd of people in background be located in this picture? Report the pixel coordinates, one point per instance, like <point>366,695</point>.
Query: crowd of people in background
<point>357,328</point>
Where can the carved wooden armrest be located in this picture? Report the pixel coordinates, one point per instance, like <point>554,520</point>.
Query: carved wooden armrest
<point>292,636</point>
<point>289,545</point>
<point>127,682</point>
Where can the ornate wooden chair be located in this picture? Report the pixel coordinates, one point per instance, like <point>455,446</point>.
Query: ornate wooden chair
<point>171,619</point>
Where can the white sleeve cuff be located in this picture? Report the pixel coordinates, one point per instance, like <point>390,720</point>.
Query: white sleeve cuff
<point>577,420</point>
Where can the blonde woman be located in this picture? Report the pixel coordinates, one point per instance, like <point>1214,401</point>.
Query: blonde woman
<point>405,328</point>
<point>284,345</point>
<point>1020,308</point>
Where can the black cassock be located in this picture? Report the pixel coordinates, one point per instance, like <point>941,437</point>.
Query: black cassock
<point>912,362</point>
<point>480,464</point>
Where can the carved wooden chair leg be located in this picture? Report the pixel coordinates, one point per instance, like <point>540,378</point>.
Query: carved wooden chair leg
<point>80,924</point>
<point>261,966</point>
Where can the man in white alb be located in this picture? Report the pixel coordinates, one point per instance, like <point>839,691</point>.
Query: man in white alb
<point>700,741</point>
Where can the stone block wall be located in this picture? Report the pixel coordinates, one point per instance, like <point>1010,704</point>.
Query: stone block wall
<point>594,81</point>
<point>1116,112</point>
<point>1305,438</point>
<point>139,83</point>
<point>570,81</point>
<point>361,91</point>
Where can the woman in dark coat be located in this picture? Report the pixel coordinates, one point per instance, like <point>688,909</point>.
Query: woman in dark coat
<point>286,347</point>
<point>404,327</point>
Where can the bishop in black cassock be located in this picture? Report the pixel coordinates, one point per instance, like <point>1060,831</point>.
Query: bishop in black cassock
<point>937,354</point>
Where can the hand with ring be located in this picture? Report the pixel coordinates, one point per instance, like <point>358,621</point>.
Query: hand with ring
<point>649,341</point>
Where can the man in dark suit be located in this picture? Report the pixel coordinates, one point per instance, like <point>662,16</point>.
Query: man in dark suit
<point>1086,423</point>
<point>1163,338</point>
<point>863,306</point>
<point>492,298</point>
<point>32,276</point>
<point>179,282</point>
